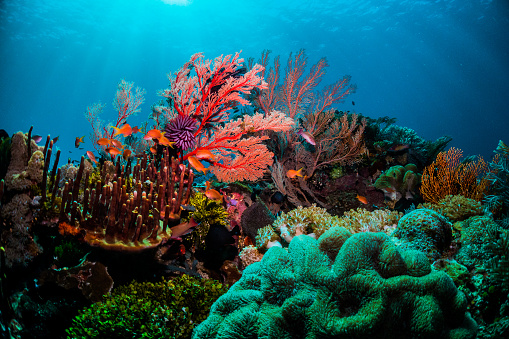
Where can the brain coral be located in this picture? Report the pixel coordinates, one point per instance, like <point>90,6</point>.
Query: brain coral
<point>425,230</point>
<point>340,286</point>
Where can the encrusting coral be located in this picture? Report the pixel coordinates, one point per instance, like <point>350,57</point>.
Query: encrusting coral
<point>424,230</point>
<point>370,288</point>
<point>479,235</point>
<point>455,207</point>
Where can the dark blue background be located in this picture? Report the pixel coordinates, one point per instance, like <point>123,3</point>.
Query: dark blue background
<point>440,67</point>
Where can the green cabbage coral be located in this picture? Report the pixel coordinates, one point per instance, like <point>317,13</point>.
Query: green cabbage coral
<point>166,309</point>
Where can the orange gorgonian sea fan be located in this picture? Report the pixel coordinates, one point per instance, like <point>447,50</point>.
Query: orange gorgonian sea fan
<point>447,175</point>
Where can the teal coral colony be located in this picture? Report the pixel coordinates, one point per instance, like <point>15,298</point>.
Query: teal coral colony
<point>248,206</point>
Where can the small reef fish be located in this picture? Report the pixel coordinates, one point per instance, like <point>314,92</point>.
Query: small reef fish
<point>126,154</point>
<point>294,173</point>
<point>196,164</point>
<point>153,134</point>
<point>183,228</point>
<point>153,149</point>
<point>104,142</point>
<point>399,147</point>
<point>307,136</point>
<point>112,151</point>
<point>213,194</point>
<point>165,141</point>
<point>116,143</point>
<point>37,138</point>
<point>78,141</point>
<point>55,139</point>
<point>125,130</point>
<point>205,154</point>
<point>91,156</point>
<point>362,199</point>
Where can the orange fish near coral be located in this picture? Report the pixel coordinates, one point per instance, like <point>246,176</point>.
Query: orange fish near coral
<point>293,173</point>
<point>205,154</point>
<point>126,154</point>
<point>116,143</point>
<point>165,141</point>
<point>196,164</point>
<point>104,142</point>
<point>362,199</point>
<point>125,130</point>
<point>112,151</point>
<point>78,141</point>
<point>91,156</point>
<point>153,134</point>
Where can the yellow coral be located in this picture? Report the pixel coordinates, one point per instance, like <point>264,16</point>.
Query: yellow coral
<point>455,207</point>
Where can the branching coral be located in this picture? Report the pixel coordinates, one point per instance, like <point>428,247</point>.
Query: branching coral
<point>447,175</point>
<point>362,220</point>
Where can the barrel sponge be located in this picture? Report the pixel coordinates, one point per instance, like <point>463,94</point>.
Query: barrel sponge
<point>370,288</point>
<point>425,230</point>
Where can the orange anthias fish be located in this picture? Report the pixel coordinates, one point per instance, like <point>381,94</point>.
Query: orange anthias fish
<point>116,143</point>
<point>307,136</point>
<point>91,156</point>
<point>104,142</point>
<point>126,154</point>
<point>211,193</point>
<point>112,151</point>
<point>293,173</point>
<point>78,141</point>
<point>196,164</point>
<point>164,141</point>
<point>205,154</point>
<point>125,130</point>
<point>362,199</point>
<point>153,134</point>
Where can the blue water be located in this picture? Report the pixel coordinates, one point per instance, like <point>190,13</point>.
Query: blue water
<point>439,67</point>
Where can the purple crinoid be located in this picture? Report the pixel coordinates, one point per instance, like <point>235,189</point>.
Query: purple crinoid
<point>180,130</point>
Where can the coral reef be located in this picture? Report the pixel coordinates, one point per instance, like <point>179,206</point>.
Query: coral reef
<point>399,182</point>
<point>478,236</point>
<point>362,220</point>
<point>128,214</point>
<point>498,198</point>
<point>424,230</point>
<point>165,309</point>
<point>455,207</point>
<point>369,289</point>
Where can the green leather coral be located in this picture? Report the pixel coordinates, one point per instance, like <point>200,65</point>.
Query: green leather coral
<point>364,287</point>
<point>399,182</point>
<point>166,309</point>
